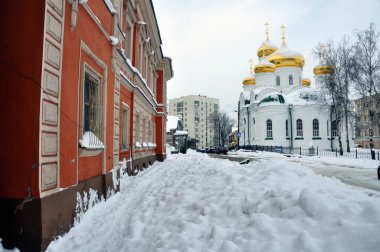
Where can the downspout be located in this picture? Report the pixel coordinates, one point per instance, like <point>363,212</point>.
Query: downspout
<point>291,126</point>
<point>249,139</point>
<point>74,13</point>
<point>331,130</point>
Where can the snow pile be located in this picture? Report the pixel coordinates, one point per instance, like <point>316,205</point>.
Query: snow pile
<point>90,141</point>
<point>114,40</point>
<point>85,203</point>
<point>195,203</point>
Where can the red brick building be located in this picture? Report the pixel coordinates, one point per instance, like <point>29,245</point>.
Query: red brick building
<point>83,87</point>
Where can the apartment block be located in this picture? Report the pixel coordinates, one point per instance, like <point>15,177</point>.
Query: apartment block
<point>197,113</point>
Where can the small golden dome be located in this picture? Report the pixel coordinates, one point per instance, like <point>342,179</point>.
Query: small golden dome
<point>265,67</point>
<point>249,80</point>
<point>306,82</point>
<point>318,70</point>
<point>266,48</point>
<point>284,57</point>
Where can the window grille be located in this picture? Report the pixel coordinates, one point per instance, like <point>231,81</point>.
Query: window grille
<point>315,128</point>
<point>92,105</point>
<point>269,129</point>
<point>299,128</point>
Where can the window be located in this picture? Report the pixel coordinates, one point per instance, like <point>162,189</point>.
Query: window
<point>315,128</point>
<point>92,104</point>
<point>269,129</point>
<point>290,79</point>
<point>278,82</point>
<point>334,129</point>
<point>286,128</point>
<point>125,127</point>
<point>143,136</point>
<point>137,128</point>
<point>299,128</point>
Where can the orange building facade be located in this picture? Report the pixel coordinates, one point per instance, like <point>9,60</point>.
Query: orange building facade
<point>82,95</point>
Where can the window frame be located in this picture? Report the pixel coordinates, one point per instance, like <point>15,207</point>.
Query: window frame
<point>87,69</point>
<point>315,128</point>
<point>269,128</point>
<point>291,80</point>
<point>278,80</point>
<point>299,127</point>
<point>125,126</point>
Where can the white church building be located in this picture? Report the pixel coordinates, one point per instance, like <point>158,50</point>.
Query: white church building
<point>278,107</point>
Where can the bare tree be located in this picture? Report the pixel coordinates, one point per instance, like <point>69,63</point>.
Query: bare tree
<point>222,125</point>
<point>337,84</point>
<point>367,75</point>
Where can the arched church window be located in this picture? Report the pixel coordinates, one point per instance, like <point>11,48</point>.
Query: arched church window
<point>253,120</point>
<point>299,128</point>
<point>278,80</point>
<point>334,129</point>
<point>315,128</point>
<point>290,79</point>
<point>286,128</point>
<point>269,129</point>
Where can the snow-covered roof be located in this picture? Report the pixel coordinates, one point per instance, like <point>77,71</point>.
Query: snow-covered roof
<point>304,96</point>
<point>172,123</point>
<point>246,95</point>
<point>181,133</point>
<point>272,99</point>
<point>286,52</point>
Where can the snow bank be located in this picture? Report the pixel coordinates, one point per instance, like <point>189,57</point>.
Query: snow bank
<point>195,203</point>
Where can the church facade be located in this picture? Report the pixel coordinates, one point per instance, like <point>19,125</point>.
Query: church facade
<point>278,107</point>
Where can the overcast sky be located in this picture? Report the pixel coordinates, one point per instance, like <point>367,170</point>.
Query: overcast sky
<point>211,41</point>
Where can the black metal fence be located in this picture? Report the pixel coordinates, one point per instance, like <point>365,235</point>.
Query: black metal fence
<point>354,153</point>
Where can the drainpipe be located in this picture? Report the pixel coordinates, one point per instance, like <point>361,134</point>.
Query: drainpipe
<point>249,138</point>
<point>291,126</point>
<point>331,136</point>
<point>74,13</point>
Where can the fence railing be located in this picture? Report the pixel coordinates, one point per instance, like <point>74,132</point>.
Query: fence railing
<point>315,151</point>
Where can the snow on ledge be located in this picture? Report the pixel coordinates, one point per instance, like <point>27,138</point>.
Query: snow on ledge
<point>145,144</point>
<point>90,141</point>
<point>138,145</point>
<point>83,1</point>
<point>113,40</point>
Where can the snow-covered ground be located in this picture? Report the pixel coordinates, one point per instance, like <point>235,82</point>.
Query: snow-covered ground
<point>357,172</point>
<point>195,203</point>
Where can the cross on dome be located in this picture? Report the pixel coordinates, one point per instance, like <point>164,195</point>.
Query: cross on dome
<point>283,34</point>
<point>267,28</point>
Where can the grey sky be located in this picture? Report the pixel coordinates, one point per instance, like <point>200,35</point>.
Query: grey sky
<point>211,41</point>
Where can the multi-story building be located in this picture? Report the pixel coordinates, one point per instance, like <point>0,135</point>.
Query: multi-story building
<point>197,113</point>
<point>366,108</point>
<point>83,88</point>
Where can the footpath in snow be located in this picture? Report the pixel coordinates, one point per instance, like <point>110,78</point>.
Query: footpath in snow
<point>195,203</point>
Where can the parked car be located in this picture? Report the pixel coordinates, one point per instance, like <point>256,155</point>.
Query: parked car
<point>221,150</point>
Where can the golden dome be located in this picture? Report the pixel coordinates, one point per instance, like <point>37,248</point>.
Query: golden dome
<point>284,57</point>
<point>249,80</point>
<point>306,82</point>
<point>318,70</point>
<point>265,67</point>
<point>266,48</point>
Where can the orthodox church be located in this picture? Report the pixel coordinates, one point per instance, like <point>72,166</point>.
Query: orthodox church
<point>278,107</point>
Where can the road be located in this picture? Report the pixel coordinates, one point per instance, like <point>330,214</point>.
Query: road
<point>365,178</point>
